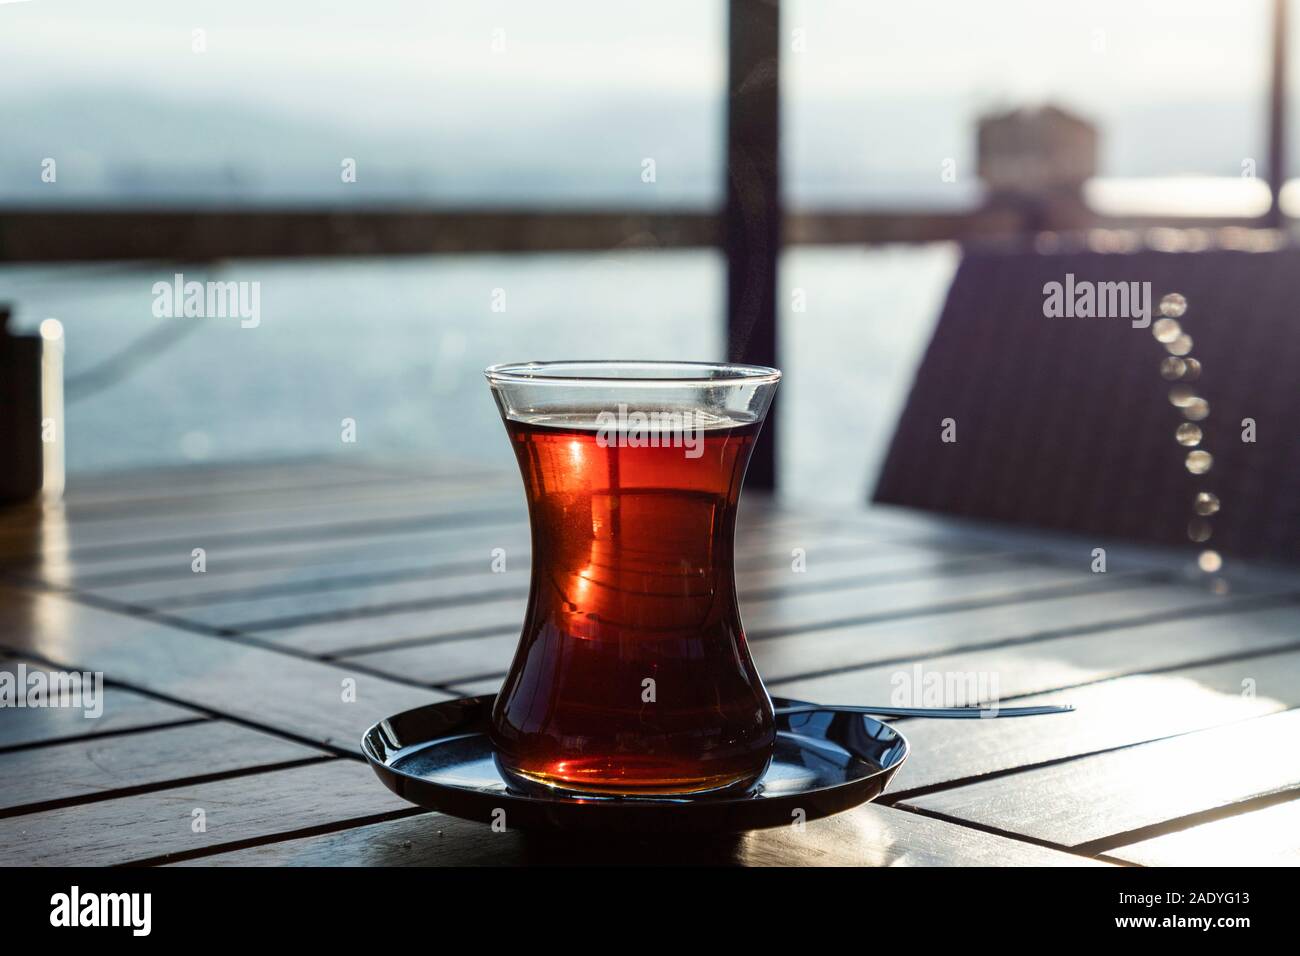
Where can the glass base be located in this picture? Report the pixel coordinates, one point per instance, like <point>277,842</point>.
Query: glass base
<point>614,787</point>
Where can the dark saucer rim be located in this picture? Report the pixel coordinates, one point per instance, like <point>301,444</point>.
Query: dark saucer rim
<point>561,812</point>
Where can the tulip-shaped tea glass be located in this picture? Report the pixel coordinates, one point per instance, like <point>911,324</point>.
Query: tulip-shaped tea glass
<point>632,676</point>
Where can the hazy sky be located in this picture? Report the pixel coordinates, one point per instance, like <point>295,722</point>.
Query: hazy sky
<point>1013,48</point>
<point>581,86</point>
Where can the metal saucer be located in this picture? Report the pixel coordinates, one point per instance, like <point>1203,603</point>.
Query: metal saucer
<point>439,757</point>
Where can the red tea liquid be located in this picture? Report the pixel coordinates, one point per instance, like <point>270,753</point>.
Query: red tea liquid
<point>632,674</point>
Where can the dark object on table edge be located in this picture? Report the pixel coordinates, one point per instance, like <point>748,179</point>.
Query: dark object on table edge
<point>20,426</point>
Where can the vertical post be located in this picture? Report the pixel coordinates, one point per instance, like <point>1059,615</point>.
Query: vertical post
<point>752,229</point>
<point>1277,113</point>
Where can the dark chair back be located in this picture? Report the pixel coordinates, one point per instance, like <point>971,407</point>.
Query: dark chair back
<point>1066,423</point>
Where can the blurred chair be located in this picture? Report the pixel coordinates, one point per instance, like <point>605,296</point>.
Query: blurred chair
<point>1067,423</point>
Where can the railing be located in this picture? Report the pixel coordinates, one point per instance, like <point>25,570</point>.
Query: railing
<point>194,236</point>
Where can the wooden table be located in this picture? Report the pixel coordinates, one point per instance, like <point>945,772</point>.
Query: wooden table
<point>336,594</point>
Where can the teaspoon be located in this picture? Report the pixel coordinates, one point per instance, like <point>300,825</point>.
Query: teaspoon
<point>948,712</point>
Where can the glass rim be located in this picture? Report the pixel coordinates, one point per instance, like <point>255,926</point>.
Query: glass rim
<point>587,372</point>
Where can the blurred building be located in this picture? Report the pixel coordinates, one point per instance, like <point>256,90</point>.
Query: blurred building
<point>1036,161</point>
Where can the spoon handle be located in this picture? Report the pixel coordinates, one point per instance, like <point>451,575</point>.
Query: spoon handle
<point>948,712</point>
